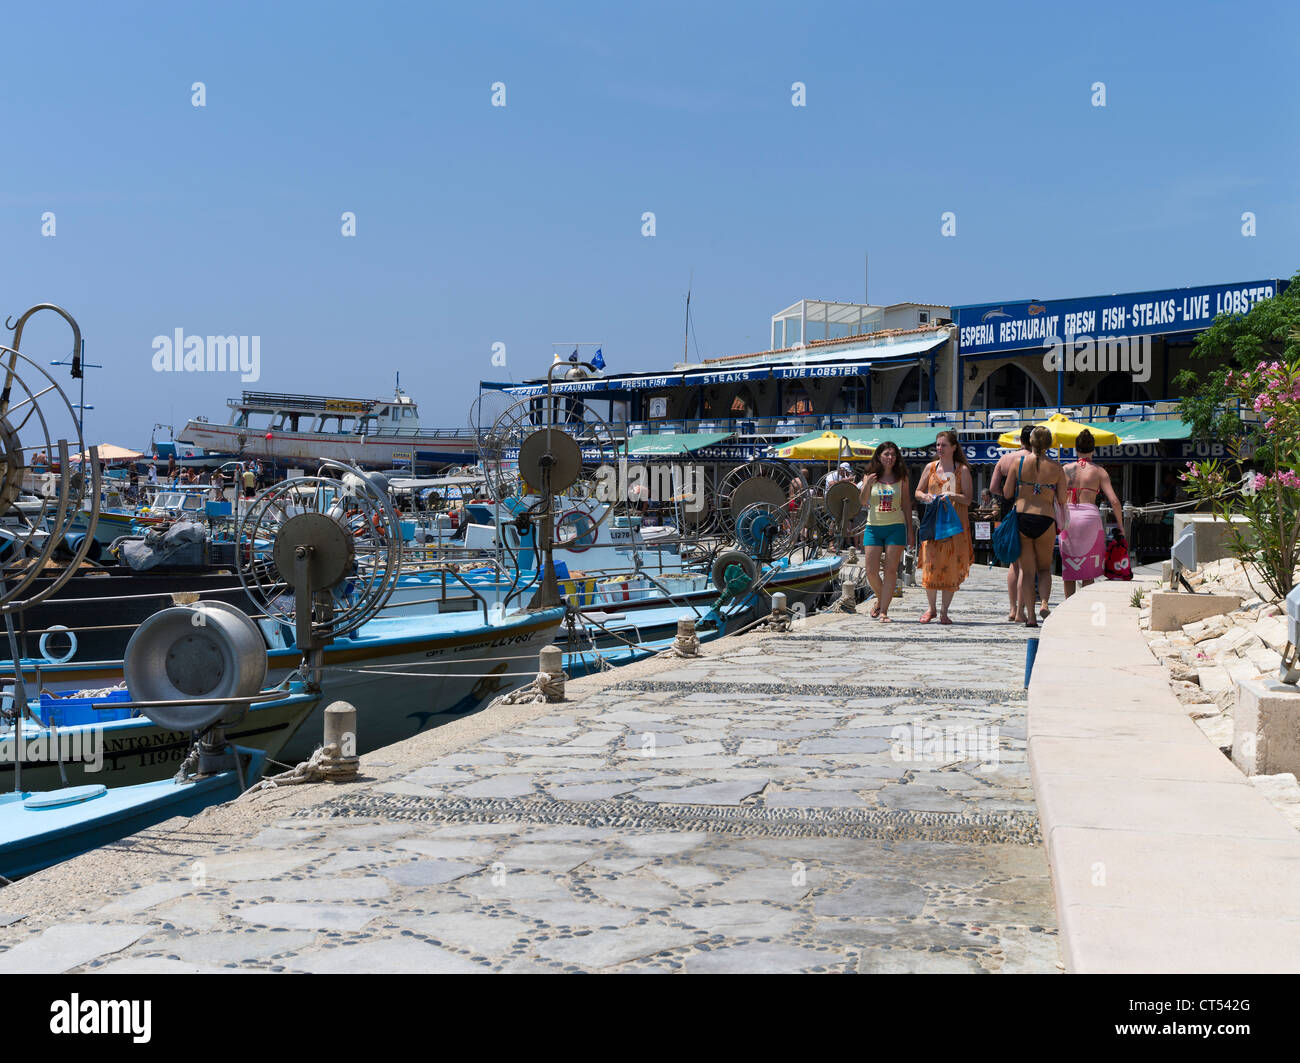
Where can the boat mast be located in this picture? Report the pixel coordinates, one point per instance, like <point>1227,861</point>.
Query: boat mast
<point>686,340</point>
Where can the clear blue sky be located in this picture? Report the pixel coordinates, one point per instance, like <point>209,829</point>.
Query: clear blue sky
<point>522,224</point>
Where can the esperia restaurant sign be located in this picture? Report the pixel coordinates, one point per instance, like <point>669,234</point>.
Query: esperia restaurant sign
<point>1031,325</point>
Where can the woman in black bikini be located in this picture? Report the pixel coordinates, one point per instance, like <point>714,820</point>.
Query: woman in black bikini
<point>1036,484</point>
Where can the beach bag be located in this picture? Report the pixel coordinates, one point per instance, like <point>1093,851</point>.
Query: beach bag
<point>1006,536</point>
<point>1118,565</point>
<point>926,529</point>
<point>946,522</point>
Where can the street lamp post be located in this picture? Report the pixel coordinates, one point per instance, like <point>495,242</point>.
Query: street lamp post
<point>81,406</point>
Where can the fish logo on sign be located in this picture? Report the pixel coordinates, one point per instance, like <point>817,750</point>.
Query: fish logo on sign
<point>999,312</point>
<point>1035,308</point>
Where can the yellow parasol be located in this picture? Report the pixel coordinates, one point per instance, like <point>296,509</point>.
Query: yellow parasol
<point>1064,433</point>
<point>829,446</point>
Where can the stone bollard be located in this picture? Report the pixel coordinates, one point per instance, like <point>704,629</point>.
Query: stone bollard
<point>686,644</point>
<point>551,665</point>
<point>909,570</point>
<point>779,619</point>
<point>340,735</point>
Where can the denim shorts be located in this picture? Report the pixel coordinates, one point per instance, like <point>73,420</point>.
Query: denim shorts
<point>885,535</point>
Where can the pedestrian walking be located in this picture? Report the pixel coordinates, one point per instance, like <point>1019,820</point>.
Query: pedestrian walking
<point>945,563</point>
<point>842,474</point>
<point>886,495</point>
<point>1001,472</point>
<point>250,482</point>
<point>1037,485</point>
<point>1083,544</point>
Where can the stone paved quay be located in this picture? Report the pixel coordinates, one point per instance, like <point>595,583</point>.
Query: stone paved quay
<point>746,811</point>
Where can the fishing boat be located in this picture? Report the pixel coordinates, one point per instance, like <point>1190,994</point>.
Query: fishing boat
<point>78,740</point>
<point>223,658</point>
<point>290,429</point>
<point>41,828</point>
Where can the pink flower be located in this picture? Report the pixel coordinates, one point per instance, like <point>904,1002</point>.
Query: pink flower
<point>1260,481</point>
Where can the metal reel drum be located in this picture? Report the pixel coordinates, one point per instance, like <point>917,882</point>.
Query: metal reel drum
<point>843,503</point>
<point>765,483</point>
<point>330,558</point>
<point>552,457</point>
<point>205,650</point>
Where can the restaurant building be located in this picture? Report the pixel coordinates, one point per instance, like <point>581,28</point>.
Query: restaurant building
<point>907,370</point>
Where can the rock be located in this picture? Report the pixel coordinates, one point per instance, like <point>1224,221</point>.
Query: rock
<point>1189,693</point>
<point>1271,632</point>
<point>1218,729</point>
<point>1283,792</point>
<point>1263,659</point>
<point>1225,699</point>
<point>1184,673</point>
<point>1209,628</point>
<point>1203,711</point>
<point>1213,678</point>
<point>1229,642</point>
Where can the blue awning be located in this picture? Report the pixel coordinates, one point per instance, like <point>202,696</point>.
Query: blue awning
<point>794,372</point>
<point>727,376</point>
<point>601,383</point>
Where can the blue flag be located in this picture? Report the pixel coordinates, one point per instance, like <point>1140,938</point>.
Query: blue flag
<point>598,360</point>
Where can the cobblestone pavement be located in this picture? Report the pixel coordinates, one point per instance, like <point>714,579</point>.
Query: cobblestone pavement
<point>853,797</point>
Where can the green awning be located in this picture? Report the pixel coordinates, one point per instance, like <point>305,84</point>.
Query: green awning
<point>1147,431</point>
<point>675,443</point>
<point>905,438</point>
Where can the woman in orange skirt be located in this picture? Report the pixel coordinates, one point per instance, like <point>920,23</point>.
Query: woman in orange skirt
<point>946,563</point>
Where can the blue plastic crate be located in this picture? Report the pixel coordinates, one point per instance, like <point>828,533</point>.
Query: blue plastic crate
<point>70,712</point>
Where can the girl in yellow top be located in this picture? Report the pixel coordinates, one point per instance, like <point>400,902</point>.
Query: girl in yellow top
<point>887,498</point>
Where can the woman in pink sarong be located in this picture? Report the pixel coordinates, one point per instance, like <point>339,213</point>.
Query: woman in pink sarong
<point>1083,545</point>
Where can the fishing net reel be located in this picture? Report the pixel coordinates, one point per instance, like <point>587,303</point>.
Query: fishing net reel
<point>765,507</point>
<point>43,480</point>
<point>320,555</point>
<point>840,513</point>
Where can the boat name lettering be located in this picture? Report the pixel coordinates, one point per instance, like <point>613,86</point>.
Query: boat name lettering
<point>509,640</point>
